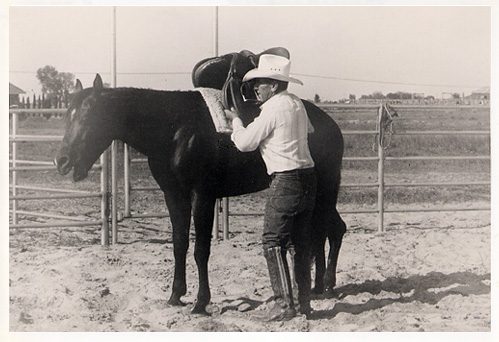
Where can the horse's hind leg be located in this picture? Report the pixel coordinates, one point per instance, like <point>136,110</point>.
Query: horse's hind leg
<point>318,242</point>
<point>335,237</point>
<point>203,221</point>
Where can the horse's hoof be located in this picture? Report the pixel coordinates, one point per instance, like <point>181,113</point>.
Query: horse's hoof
<point>317,290</point>
<point>200,310</point>
<point>175,302</point>
<point>329,292</point>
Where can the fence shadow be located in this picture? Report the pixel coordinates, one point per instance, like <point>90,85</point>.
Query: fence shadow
<point>429,289</point>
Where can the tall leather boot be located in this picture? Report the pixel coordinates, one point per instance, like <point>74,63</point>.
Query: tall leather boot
<point>302,265</point>
<point>283,308</point>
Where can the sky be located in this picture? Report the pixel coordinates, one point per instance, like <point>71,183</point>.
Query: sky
<point>335,50</point>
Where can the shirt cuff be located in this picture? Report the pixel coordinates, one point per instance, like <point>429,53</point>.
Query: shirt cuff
<point>237,123</point>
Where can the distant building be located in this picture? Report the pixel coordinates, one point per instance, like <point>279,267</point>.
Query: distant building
<point>14,93</point>
<point>480,96</point>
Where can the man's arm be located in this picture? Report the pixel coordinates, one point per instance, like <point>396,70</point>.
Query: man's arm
<point>249,138</point>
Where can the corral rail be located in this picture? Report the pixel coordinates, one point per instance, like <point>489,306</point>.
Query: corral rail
<point>110,213</point>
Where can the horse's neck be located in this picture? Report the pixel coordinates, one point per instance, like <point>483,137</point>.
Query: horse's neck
<point>145,122</point>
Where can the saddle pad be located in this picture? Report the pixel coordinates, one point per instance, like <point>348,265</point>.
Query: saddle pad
<point>214,101</point>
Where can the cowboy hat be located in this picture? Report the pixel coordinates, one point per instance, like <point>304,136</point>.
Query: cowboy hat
<point>274,67</point>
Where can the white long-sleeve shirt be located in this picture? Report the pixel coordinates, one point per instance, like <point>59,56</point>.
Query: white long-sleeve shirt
<point>281,133</point>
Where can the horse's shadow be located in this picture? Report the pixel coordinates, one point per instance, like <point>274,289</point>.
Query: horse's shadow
<point>429,289</point>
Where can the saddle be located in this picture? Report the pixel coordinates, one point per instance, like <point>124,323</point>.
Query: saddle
<point>226,73</point>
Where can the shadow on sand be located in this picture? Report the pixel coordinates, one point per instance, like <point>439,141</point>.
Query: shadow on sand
<point>429,289</point>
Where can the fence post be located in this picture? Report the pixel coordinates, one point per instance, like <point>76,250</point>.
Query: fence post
<point>216,219</point>
<point>225,217</point>
<point>114,191</point>
<point>126,176</point>
<point>381,172</point>
<point>104,199</point>
<point>14,173</point>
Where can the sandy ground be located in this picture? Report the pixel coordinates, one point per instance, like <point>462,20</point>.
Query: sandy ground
<point>427,272</point>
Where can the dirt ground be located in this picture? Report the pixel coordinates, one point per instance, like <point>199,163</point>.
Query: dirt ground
<point>427,272</point>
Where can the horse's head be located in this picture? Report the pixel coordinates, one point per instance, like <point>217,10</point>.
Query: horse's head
<point>88,131</point>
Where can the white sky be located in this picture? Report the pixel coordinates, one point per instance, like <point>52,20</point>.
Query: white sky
<point>417,46</point>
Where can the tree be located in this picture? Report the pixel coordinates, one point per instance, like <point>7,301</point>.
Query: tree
<point>54,83</point>
<point>317,98</point>
<point>352,97</point>
<point>456,96</point>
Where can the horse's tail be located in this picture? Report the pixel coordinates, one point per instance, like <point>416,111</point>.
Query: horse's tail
<point>327,147</point>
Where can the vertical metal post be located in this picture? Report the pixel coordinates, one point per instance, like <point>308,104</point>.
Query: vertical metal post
<point>225,217</point>
<point>114,191</point>
<point>215,32</point>
<point>113,47</point>
<point>216,220</point>
<point>126,178</point>
<point>225,200</point>
<point>114,145</point>
<point>14,173</point>
<point>381,174</point>
<point>104,188</point>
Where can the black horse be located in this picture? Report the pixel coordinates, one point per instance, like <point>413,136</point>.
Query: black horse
<point>194,165</point>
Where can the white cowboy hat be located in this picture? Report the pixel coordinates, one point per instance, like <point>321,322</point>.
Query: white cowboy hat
<point>274,67</point>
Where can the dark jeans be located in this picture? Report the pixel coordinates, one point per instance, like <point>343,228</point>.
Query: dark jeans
<point>288,211</point>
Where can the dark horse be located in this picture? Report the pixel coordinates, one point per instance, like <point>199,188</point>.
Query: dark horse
<point>194,165</point>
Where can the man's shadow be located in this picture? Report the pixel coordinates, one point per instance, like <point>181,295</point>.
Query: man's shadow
<point>429,289</point>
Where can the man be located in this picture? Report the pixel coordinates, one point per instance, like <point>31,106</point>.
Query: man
<point>281,134</point>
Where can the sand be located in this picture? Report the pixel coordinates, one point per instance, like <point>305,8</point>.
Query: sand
<point>427,272</point>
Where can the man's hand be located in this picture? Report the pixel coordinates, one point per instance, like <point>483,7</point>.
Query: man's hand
<point>231,114</point>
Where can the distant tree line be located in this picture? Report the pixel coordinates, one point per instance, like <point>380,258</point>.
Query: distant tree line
<point>399,95</point>
<point>56,87</point>
<point>42,101</point>
<point>379,96</point>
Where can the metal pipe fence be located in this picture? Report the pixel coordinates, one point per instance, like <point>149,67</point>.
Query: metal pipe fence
<point>222,205</point>
<point>109,196</point>
<point>47,193</point>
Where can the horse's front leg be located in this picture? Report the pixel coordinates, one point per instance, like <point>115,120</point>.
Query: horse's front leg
<point>203,212</point>
<point>179,207</point>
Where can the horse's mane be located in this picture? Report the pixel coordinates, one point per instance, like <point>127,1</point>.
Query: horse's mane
<point>137,89</point>
<point>141,93</point>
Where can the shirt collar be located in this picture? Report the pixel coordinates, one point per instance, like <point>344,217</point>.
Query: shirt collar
<point>273,98</point>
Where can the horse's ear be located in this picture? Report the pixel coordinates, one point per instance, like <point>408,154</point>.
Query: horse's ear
<point>98,86</point>
<point>78,86</point>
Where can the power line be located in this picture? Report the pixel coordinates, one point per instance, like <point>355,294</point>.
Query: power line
<point>297,74</point>
<point>106,72</point>
<point>385,82</point>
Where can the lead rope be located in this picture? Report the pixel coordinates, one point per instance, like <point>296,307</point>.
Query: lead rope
<point>386,122</point>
